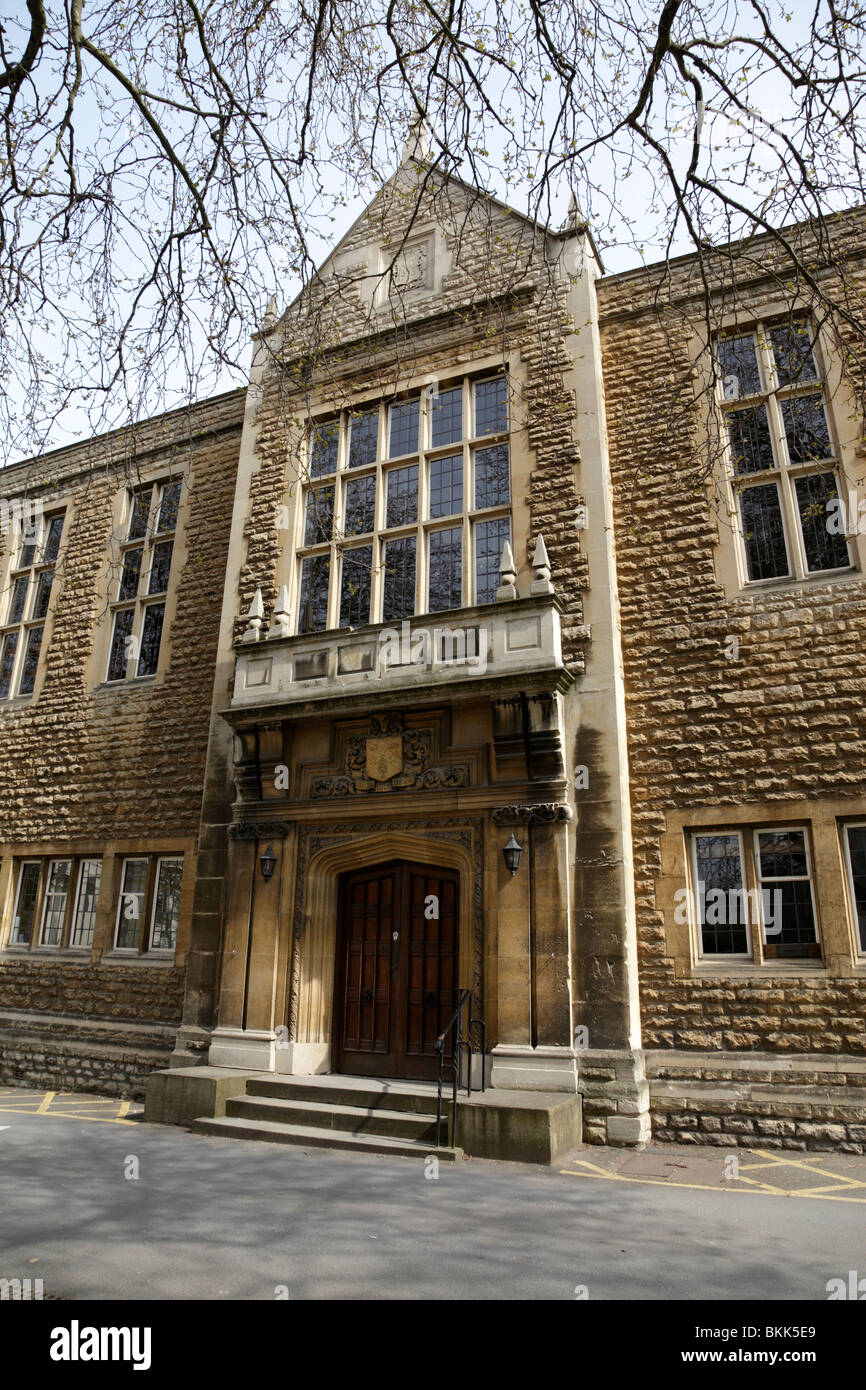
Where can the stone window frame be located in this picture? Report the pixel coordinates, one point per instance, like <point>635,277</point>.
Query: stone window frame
<point>747,833</point>
<point>147,916</point>
<point>467,519</point>
<point>147,543</point>
<point>30,574</point>
<point>784,472</point>
<point>36,945</point>
<point>859,942</point>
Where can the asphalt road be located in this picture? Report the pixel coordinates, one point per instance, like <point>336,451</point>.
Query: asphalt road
<point>209,1218</point>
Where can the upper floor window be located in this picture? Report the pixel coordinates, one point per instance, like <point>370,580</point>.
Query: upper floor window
<point>27,601</point>
<point>782,461</point>
<point>407,507</point>
<point>138,605</point>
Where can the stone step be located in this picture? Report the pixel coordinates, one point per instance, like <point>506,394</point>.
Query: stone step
<point>325,1114</point>
<point>307,1136</point>
<point>365,1093</point>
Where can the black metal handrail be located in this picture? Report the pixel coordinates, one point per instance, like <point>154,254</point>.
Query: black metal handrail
<point>463,1044</point>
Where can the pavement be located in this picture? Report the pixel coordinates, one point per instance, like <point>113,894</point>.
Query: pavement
<point>100,1205</point>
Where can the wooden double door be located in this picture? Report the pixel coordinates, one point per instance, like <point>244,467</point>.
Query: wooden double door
<point>396,977</point>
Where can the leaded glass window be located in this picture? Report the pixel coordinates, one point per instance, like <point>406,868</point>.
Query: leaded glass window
<point>89,881</point>
<point>397,472</point>
<point>145,574</point>
<point>781,453</point>
<point>31,586</point>
<point>54,906</point>
<point>25,903</point>
<point>130,907</point>
<point>166,905</point>
<point>855,848</point>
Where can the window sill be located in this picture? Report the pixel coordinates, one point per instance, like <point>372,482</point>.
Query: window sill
<point>736,969</point>
<point>755,587</point>
<point>116,687</point>
<point>146,958</point>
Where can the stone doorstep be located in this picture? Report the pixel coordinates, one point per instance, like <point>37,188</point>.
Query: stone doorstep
<point>522,1126</point>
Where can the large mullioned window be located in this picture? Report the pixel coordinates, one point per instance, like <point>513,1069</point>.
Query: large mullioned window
<point>26,606</point>
<point>138,605</point>
<point>782,460</point>
<point>406,508</point>
<point>753,894</point>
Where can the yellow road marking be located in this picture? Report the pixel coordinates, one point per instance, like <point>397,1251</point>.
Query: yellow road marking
<point>66,1105</point>
<point>756,1190</point>
<point>807,1165</point>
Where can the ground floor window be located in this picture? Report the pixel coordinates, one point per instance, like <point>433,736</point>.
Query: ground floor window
<point>855,857</point>
<point>148,904</point>
<point>753,893</point>
<point>56,903</point>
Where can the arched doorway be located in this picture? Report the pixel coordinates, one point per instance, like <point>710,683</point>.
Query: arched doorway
<point>396,968</point>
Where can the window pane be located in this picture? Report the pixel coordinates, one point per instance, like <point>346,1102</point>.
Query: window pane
<point>315,572</point>
<point>89,879</point>
<point>7,663</point>
<point>25,911</point>
<point>31,661</point>
<point>43,594</point>
<point>160,566</point>
<point>446,485</point>
<point>491,406</point>
<point>401,508</point>
<point>355,586</point>
<point>28,546</point>
<point>54,909</point>
<point>491,476</point>
<point>323,448</point>
<point>151,635</point>
<point>784,871</point>
<point>446,570</point>
<point>130,573</point>
<point>138,516</point>
<point>763,532</point>
<point>399,579</point>
<point>360,498</point>
<point>166,905</point>
<point>363,438</point>
<point>168,505</point>
<point>404,429</point>
<point>120,645</point>
<point>793,354</point>
<point>53,532</point>
<point>857,855</point>
<point>722,910</point>
<point>131,906</point>
<point>490,537</point>
<point>18,599</point>
<point>825,550</point>
<point>738,364</point>
<point>806,428</point>
<point>749,433</point>
<point>319,516</point>
<point>447,417</point>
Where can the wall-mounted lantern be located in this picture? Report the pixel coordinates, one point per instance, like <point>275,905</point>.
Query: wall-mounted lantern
<point>511,853</point>
<point>267,861</point>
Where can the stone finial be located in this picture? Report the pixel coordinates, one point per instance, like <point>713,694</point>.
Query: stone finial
<point>255,617</point>
<point>270,317</point>
<point>541,570</point>
<point>418,143</point>
<point>280,627</point>
<point>507,575</point>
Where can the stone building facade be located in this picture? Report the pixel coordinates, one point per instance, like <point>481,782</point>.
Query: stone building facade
<point>487,556</point>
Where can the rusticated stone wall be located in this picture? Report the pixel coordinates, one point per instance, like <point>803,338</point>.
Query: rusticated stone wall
<point>782,723</point>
